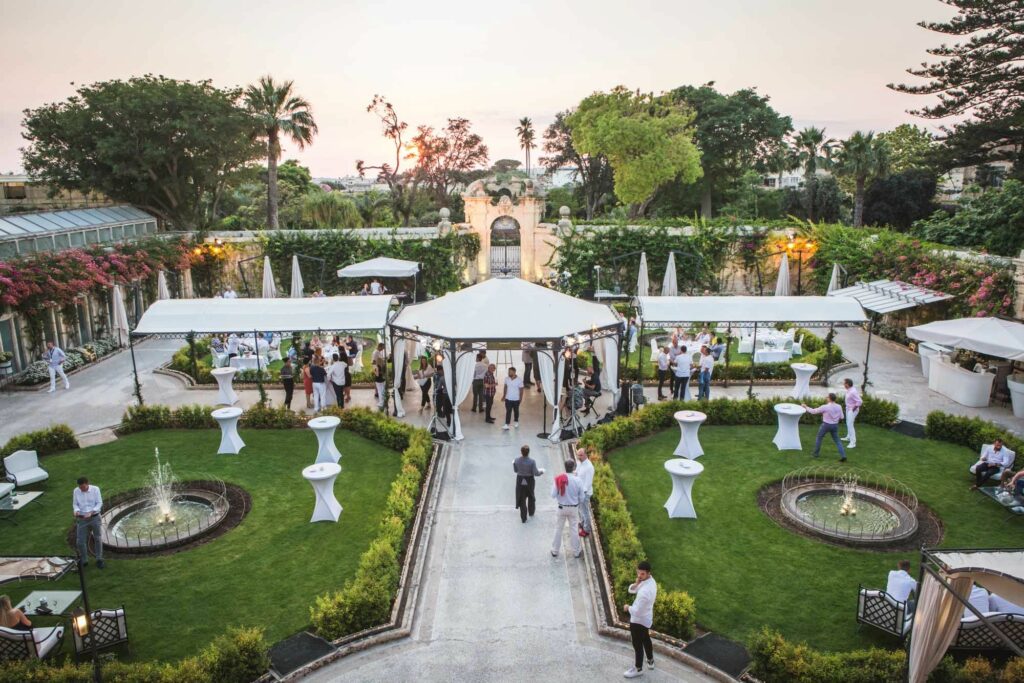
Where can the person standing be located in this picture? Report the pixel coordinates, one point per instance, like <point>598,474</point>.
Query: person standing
<point>529,358</point>
<point>675,349</point>
<point>585,473</point>
<point>664,372</point>
<point>512,394</point>
<point>318,375</point>
<point>307,382</point>
<point>479,370</point>
<point>681,370</point>
<point>288,380</point>
<point>853,404</point>
<point>490,388</point>
<point>55,358</point>
<point>380,380</point>
<point>641,616</point>
<point>336,376</point>
<point>831,415</point>
<point>707,366</point>
<point>86,503</point>
<point>526,473</point>
<point>232,347</point>
<point>567,493</point>
<point>424,378</point>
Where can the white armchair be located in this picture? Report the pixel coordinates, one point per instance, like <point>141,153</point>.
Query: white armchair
<point>998,476</point>
<point>879,609</point>
<point>109,628</point>
<point>38,643</point>
<point>23,468</point>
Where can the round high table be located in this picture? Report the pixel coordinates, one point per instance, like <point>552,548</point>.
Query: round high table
<point>321,477</point>
<point>226,396</point>
<point>689,422</point>
<point>230,441</point>
<point>787,438</point>
<point>803,372</point>
<point>324,428</point>
<point>683,473</point>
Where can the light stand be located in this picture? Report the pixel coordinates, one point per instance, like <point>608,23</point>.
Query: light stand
<point>82,621</point>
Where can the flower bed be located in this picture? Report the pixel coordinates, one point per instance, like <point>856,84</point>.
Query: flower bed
<point>38,372</point>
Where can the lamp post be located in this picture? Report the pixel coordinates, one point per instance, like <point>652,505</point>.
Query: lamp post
<point>81,621</point>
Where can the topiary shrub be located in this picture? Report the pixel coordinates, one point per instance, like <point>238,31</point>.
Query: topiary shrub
<point>144,418</point>
<point>53,439</point>
<point>239,656</point>
<point>675,614</point>
<point>193,417</point>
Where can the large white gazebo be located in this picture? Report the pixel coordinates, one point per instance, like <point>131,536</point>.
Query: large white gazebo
<point>504,310</point>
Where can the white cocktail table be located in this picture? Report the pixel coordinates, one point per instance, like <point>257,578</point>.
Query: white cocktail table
<point>689,422</point>
<point>230,441</point>
<point>683,473</point>
<point>803,372</point>
<point>324,428</point>
<point>226,396</point>
<point>321,477</point>
<point>787,438</point>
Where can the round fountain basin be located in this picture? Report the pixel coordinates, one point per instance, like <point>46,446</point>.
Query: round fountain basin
<point>879,517</point>
<point>137,524</point>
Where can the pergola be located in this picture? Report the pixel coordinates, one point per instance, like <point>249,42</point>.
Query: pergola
<point>744,311</point>
<point>505,310</point>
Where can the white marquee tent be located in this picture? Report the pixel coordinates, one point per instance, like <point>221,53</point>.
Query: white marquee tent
<point>991,336</point>
<point>380,267</point>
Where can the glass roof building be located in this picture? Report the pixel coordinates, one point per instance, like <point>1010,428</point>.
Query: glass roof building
<point>29,233</point>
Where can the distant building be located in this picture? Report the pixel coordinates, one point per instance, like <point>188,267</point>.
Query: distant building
<point>19,193</point>
<point>789,179</point>
<point>353,184</point>
<point>951,185</point>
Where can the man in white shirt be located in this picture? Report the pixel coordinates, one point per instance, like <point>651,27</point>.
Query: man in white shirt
<point>376,288</point>
<point>232,346</point>
<point>641,616</point>
<point>681,370</point>
<point>674,350</point>
<point>229,293</point>
<point>994,459</point>
<point>901,584</point>
<point>567,492</point>
<point>664,371</point>
<point>86,503</point>
<point>336,376</point>
<point>585,473</point>
<point>512,394</point>
<point>479,370</point>
<point>707,365</point>
<point>55,358</point>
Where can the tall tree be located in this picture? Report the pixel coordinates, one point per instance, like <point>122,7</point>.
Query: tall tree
<point>909,147</point>
<point>279,112</point>
<point>862,157</point>
<point>647,138</point>
<point>593,171</point>
<point>403,186</point>
<point>814,151</point>
<point>442,159</point>
<point>734,133</point>
<point>781,158</point>
<point>137,141</point>
<point>373,208</point>
<point>525,133</point>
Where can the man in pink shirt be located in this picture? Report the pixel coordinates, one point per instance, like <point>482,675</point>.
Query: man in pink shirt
<point>831,415</point>
<point>853,404</point>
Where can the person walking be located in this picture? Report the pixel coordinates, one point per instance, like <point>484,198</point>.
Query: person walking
<point>853,404</point>
<point>490,388</point>
<point>512,394</point>
<point>526,474</point>
<point>641,616</point>
<point>318,376</point>
<point>707,366</point>
<point>831,415</point>
<point>567,492</point>
<point>86,503</point>
<point>585,473</point>
<point>479,370</point>
<point>307,382</point>
<point>55,358</point>
<point>664,372</point>
<point>336,376</point>
<point>287,374</point>
<point>424,378</point>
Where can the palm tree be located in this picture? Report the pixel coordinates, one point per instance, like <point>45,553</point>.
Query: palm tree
<point>278,112</point>
<point>370,204</point>
<point>862,157</point>
<point>526,136</point>
<point>814,151</point>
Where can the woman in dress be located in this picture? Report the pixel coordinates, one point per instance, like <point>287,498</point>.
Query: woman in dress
<point>307,383</point>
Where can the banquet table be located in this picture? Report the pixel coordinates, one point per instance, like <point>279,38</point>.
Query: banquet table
<point>324,428</point>
<point>249,362</point>
<point>803,372</point>
<point>226,396</point>
<point>321,477</point>
<point>689,423</point>
<point>787,438</point>
<point>220,360</point>
<point>683,472</point>
<point>772,355</point>
<point>230,442</point>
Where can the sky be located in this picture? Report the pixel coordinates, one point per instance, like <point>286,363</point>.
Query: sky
<point>822,62</point>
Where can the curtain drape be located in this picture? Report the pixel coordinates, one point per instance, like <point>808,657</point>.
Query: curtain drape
<point>610,367</point>
<point>186,284</point>
<point>398,356</point>
<point>464,366</point>
<point>552,387</point>
<point>936,620</point>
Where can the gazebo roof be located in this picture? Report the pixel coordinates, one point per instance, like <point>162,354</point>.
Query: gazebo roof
<point>382,266</point>
<point>805,310</point>
<point>505,309</point>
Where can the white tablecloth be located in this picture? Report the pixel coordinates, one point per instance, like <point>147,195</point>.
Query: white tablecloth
<point>248,362</point>
<point>772,355</point>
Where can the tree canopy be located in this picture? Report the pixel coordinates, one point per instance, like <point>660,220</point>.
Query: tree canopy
<point>909,147</point>
<point>165,145</point>
<point>443,159</point>
<point>593,172</point>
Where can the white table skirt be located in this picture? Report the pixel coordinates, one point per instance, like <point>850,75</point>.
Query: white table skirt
<point>226,394</point>
<point>680,503</point>
<point>772,355</point>
<point>803,372</point>
<point>321,477</point>
<point>230,442</point>
<point>967,388</point>
<point>787,438</point>
<point>324,428</point>
<point>689,423</point>
<point>249,362</point>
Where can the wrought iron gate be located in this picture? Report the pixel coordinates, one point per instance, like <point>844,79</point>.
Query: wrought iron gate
<point>505,250</point>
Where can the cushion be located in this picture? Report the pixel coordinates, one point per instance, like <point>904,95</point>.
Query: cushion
<point>118,614</point>
<point>998,604</point>
<point>5,489</point>
<point>28,476</point>
<point>979,600</point>
<point>47,639</point>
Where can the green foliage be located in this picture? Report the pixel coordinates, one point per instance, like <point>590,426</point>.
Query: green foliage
<point>900,199</point>
<point>148,417</point>
<point>239,656</point>
<point>145,418</point>
<point>261,416</point>
<point>46,441</point>
<point>330,210</point>
<point>909,146</point>
<point>993,220</point>
<point>675,613</point>
<point>972,432</point>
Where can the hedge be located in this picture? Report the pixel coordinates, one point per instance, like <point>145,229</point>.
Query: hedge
<point>972,432</point>
<point>775,660</point>
<point>675,612</point>
<point>239,656</point>
<point>53,439</point>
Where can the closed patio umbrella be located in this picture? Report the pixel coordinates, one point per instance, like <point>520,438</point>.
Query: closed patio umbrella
<point>119,325</point>
<point>643,282</point>
<point>296,290</point>
<point>833,283</point>
<point>269,288</point>
<point>669,287</point>
<point>162,292</point>
<point>186,284</point>
<point>782,284</point>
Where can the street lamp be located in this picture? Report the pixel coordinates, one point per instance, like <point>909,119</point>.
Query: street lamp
<point>81,622</point>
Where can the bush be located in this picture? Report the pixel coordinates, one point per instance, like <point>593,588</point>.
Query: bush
<point>972,432</point>
<point>239,656</point>
<point>44,441</point>
<point>144,418</point>
<point>675,614</point>
<point>193,417</point>
<point>265,417</point>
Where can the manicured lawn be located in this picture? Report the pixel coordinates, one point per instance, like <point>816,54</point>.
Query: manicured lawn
<point>744,571</point>
<point>264,572</point>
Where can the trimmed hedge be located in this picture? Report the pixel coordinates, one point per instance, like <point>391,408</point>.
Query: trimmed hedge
<point>972,432</point>
<point>53,439</point>
<point>675,611</point>
<point>239,656</point>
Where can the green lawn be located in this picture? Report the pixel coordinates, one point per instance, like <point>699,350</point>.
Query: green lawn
<point>744,571</point>
<point>264,572</point>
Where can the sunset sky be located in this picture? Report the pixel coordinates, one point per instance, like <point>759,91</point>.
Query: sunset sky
<point>823,62</point>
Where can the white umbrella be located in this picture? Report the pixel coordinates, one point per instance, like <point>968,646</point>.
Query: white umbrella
<point>643,282</point>
<point>296,278</point>
<point>120,322</point>
<point>269,288</point>
<point>186,284</point>
<point>991,336</point>
<point>161,286</point>
<point>782,285</point>
<point>833,283</point>
<point>669,287</point>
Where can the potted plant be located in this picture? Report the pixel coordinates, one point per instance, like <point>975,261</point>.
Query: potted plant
<point>5,363</point>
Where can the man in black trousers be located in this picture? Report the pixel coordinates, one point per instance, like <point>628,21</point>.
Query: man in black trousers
<point>526,473</point>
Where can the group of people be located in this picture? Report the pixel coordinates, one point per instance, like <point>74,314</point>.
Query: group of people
<point>326,370</point>
<point>677,365</point>
<point>374,288</point>
<point>997,459</point>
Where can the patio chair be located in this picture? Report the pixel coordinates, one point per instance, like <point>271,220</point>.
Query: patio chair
<point>972,634</point>
<point>998,476</point>
<point>636,397</point>
<point>879,609</point>
<point>23,468</point>
<point>109,628</point>
<point>39,643</point>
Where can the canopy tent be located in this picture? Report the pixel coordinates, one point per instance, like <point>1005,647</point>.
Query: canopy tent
<point>269,288</point>
<point>991,336</point>
<point>947,577</point>
<point>381,266</point>
<point>505,310</point>
<point>782,283</point>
